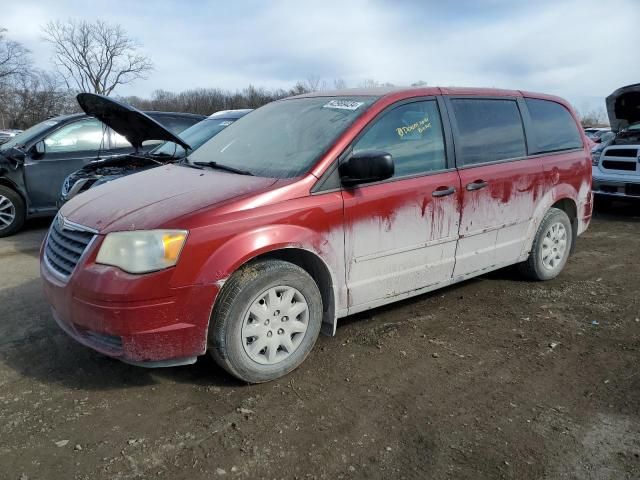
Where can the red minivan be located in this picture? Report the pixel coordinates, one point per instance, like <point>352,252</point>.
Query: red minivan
<point>313,208</point>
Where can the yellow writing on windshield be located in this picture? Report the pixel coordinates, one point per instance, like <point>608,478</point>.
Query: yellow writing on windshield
<point>419,127</point>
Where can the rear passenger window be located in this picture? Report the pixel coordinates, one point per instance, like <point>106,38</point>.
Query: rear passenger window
<point>488,130</point>
<point>554,128</point>
<point>412,134</point>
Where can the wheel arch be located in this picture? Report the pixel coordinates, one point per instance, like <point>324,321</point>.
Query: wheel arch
<point>6,182</point>
<point>304,248</point>
<point>563,197</point>
<point>569,206</point>
<point>315,266</point>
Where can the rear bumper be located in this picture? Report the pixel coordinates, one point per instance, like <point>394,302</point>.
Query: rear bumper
<point>169,328</point>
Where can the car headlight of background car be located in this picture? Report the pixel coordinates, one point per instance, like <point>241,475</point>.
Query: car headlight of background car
<point>595,157</point>
<point>142,251</point>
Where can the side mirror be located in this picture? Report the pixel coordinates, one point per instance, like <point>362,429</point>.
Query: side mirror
<point>39,149</point>
<point>366,167</point>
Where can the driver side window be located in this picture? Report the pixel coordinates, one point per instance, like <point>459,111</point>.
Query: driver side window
<point>86,134</point>
<point>412,134</point>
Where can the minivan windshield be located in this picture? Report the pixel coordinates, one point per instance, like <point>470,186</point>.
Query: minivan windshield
<point>285,138</point>
<point>28,134</point>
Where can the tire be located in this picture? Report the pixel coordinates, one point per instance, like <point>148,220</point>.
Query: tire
<point>254,301</point>
<point>554,232</point>
<point>12,211</point>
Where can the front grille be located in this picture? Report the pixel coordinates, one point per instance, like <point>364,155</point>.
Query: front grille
<point>633,189</point>
<point>622,152</point>
<point>618,165</point>
<point>65,245</point>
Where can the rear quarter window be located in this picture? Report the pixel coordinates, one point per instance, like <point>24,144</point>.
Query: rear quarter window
<point>488,130</point>
<point>553,127</point>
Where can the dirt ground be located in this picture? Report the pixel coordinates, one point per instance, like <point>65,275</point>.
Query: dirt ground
<point>492,378</point>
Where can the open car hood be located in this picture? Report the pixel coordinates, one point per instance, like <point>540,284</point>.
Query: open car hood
<point>129,122</point>
<point>623,107</point>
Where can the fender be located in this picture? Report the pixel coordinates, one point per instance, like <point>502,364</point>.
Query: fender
<point>14,179</point>
<point>242,248</point>
<point>556,193</point>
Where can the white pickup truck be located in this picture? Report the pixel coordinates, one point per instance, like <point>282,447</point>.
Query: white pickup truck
<point>616,168</point>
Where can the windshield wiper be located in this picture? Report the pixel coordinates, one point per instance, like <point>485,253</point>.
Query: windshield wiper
<point>226,168</point>
<point>161,154</point>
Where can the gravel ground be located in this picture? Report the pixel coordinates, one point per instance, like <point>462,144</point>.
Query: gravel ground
<point>492,378</point>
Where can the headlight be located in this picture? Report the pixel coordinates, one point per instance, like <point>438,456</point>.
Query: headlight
<point>595,158</point>
<point>142,251</point>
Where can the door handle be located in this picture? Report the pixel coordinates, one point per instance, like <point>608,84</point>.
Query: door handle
<point>443,191</point>
<point>477,185</point>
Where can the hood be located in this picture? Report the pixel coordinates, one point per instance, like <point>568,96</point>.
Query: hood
<point>129,122</point>
<point>152,198</point>
<point>623,107</point>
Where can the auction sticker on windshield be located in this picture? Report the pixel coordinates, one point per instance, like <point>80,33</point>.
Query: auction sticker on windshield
<point>343,104</point>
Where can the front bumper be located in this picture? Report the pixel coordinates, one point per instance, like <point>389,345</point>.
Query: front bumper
<point>615,184</point>
<point>138,319</point>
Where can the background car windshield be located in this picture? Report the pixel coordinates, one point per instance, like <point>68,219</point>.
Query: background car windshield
<point>194,136</point>
<point>28,134</point>
<point>285,138</point>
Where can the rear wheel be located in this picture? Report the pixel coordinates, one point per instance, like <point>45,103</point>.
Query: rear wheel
<point>551,247</point>
<point>266,320</point>
<point>12,211</point>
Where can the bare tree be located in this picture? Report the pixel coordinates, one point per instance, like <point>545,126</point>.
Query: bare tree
<point>29,99</point>
<point>314,83</point>
<point>208,100</point>
<point>592,117</point>
<point>14,58</point>
<point>95,57</point>
<point>339,84</point>
<point>369,83</point>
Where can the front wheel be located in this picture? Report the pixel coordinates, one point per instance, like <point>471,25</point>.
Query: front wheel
<point>12,211</point>
<point>551,247</point>
<point>266,320</point>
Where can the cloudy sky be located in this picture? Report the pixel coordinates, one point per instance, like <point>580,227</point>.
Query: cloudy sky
<point>579,49</point>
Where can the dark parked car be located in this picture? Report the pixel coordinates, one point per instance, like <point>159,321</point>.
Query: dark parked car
<point>103,171</point>
<point>8,134</point>
<point>34,164</point>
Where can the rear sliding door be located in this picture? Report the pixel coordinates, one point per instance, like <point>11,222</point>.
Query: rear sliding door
<point>500,183</point>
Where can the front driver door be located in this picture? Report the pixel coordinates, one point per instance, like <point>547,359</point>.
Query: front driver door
<point>401,233</point>
<point>66,150</point>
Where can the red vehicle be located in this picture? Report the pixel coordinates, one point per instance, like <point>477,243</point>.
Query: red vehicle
<point>313,208</point>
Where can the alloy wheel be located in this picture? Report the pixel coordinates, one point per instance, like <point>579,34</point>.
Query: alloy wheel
<point>7,212</point>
